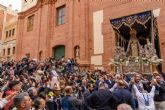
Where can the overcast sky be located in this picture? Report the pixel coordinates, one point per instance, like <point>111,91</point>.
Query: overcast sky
<point>16,4</point>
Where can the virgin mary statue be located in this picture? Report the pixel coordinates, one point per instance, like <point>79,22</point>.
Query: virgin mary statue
<point>133,44</point>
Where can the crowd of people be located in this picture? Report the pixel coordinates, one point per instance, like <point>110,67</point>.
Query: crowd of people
<point>62,85</point>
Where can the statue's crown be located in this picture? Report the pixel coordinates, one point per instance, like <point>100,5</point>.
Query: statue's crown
<point>133,31</point>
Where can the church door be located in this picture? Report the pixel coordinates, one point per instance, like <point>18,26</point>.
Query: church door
<point>59,52</point>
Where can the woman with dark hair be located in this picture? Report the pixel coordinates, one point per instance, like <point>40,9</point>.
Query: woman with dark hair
<point>13,86</point>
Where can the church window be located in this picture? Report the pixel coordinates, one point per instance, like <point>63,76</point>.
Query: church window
<point>13,50</point>
<point>13,31</point>
<point>4,52</point>
<point>61,15</point>
<point>8,51</point>
<point>30,23</point>
<point>7,34</point>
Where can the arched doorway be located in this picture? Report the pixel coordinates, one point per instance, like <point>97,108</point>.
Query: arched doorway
<point>59,52</point>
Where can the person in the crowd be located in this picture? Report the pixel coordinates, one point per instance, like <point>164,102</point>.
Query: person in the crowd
<point>136,80</point>
<point>4,101</point>
<point>69,102</point>
<point>122,94</point>
<point>159,93</point>
<point>110,81</point>
<point>84,85</point>
<point>54,102</point>
<point>13,86</point>
<point>102,99</point>
<point>39,104</point>
<point>86,93</point>
<point>28,83</point>
<point>69,65</point>
<point>124,107</point>
<point>57,97</point>
<point>54,80</point>
<point>32,92</point>
<point>89,90</point>
<point>22,101</point>
<point>100,79</point>
<point>163,75</point>
<point>146,82</point>
<point>58,85</point>
<point>145,99</point>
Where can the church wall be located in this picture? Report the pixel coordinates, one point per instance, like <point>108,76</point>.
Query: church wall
<point>74,31</point>
<point>46,34</point>
<point>27,40</point>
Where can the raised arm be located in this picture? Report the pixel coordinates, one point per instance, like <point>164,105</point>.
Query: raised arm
<point>136,90</point>
<point>152,92</point>
<point>113,88</point>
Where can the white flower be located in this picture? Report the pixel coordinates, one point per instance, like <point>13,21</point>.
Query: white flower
<point>121,59</point>
<point>143,58</point>
<point>127,62</point>
<point>137,58</point>
<point>136,61</point>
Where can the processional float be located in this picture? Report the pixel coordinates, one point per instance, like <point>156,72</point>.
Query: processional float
<point>136,59</point>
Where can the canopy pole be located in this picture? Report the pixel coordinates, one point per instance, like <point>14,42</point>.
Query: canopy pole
<point>152,29</point>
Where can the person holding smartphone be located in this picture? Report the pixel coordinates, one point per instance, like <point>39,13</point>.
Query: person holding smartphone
<point>160,92</point>
<point>4,101</point>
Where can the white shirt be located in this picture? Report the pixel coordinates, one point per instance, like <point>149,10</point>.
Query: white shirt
<point>54,81</point>
<point>141,97</point>
<point>3,102</point>
<point>54,73</point>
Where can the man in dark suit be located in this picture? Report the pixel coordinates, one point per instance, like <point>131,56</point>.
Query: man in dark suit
<point>123,95</point>
<point>101,99</point>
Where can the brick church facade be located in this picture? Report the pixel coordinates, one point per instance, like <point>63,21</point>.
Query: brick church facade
<point>78,29</point>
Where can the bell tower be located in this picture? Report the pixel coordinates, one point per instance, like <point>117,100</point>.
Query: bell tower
<point>26,4</point>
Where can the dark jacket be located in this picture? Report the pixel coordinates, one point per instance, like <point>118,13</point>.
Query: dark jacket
<point>101,100</point>
<point>123,96</point>
<point>51,105</point>
<point>71,103</point>
<point>86,94</point>
<point>160,92</point>
<point>110,83</point>
<point>54,104</point>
